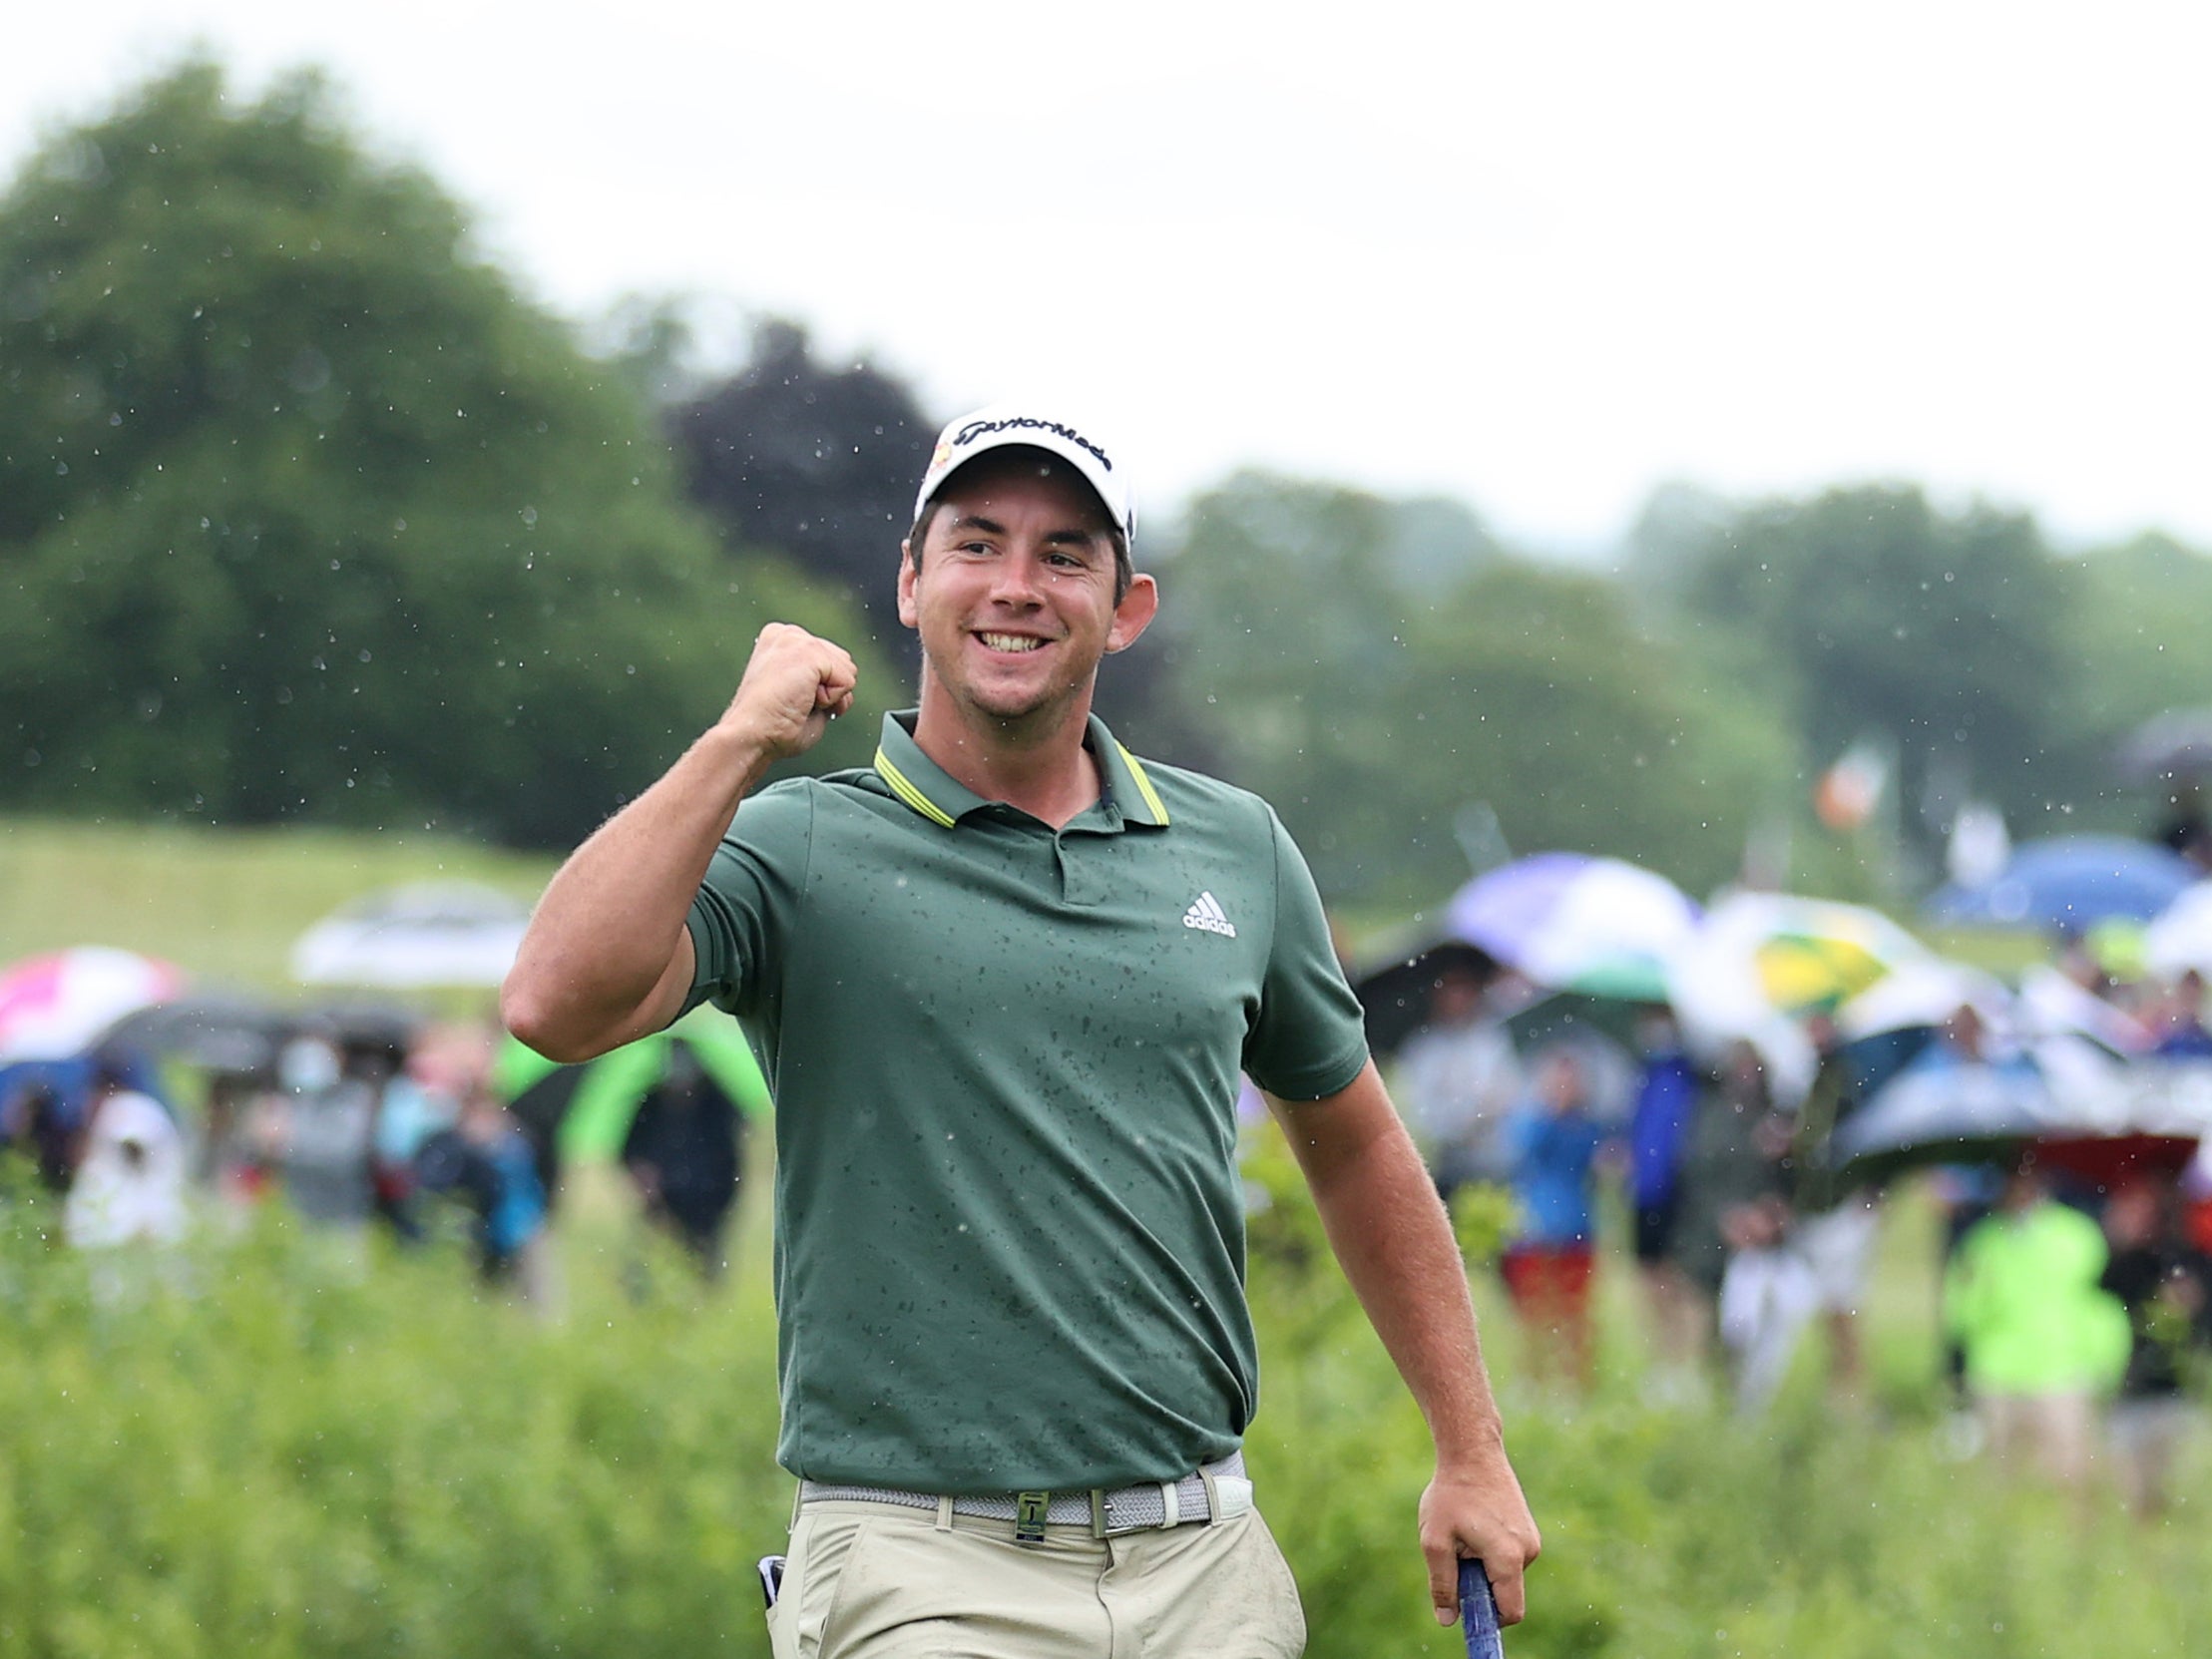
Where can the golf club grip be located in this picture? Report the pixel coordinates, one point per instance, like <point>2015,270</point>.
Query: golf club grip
<point>1479,1613</point>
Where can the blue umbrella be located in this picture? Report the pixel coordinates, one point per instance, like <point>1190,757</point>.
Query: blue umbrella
<point>2071,882</point>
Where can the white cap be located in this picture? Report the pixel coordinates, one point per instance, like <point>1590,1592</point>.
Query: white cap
<point>1019,423</point>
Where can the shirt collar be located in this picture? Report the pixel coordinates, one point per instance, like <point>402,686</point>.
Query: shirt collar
<point>937,795</point>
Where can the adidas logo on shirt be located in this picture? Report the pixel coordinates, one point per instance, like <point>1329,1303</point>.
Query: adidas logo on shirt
<point>1208,915</point>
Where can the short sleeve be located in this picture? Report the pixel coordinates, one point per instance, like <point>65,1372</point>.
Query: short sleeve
<point>1309,1039</point>
<point>751,894</point>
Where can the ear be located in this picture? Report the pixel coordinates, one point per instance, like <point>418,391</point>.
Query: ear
<point>908,614</point>
<point>1134,613</point>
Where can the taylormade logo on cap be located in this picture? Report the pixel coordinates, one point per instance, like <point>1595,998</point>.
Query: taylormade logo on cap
<point>975,428</point>
<point>1001,424</point>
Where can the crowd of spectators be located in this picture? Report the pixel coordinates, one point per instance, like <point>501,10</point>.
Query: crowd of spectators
<point>401,1127</point>
<point>2074,1286</point>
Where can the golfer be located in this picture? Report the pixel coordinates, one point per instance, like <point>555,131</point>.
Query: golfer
<point>1001,983</point>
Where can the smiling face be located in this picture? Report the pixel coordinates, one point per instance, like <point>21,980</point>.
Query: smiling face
<point>1014,595</point>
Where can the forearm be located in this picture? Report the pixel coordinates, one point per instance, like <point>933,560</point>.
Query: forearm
<point>1395,1243</point>
<point>1396,1246</point>
<point>606,955</point>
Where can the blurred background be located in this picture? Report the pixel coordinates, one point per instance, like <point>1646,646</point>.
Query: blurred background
<point>1692,512</point>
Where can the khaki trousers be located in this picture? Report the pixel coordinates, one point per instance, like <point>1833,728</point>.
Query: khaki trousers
<point>875,1581</point>
<point>2054,1432</point>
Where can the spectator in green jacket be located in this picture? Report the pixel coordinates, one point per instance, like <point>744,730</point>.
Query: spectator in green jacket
<point>2043,1341</point>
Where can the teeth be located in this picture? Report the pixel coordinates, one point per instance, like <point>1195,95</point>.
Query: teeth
<point>1010,642</point>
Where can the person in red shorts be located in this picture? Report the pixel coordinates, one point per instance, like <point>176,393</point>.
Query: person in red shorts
<point>1552,1140</point>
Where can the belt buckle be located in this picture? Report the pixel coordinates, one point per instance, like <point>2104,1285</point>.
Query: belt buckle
<point>1101,1515</point>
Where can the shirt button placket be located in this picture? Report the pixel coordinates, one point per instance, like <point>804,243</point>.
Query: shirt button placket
<point>1081,880</point>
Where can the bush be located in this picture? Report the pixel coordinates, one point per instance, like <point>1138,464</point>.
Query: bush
<point>280,1444</point>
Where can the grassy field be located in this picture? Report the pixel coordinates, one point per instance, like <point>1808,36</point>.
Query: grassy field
<point>279,1445</point>
<point>224,905</point>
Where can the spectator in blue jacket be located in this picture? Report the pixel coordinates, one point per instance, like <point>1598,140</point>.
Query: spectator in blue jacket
<point>1552,1141</point>
<point>1659,1131</point>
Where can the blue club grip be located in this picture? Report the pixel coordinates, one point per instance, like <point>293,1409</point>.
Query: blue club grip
<point>1479,1613</point>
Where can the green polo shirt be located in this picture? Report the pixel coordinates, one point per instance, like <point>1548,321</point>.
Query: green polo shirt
<point>1010,1238</point>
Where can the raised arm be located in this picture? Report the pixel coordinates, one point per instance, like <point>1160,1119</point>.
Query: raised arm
<point>607,958</point>
<point>1395,1243</point>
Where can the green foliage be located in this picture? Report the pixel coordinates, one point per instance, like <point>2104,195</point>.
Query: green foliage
<point>814,460</point>
<point>276,1446</point>
<point>2135,640</point>
<point>305,512</point>
<point>1375,668</point>
<point>1942,632</point>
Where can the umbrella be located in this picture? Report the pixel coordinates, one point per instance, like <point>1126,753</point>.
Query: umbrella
<point>56,1006</point>
<point>2062,1091</point>
<point>2175,744</point>
<point>1774,951</point>
<point>2069,882</point>
<point>2179,938</point>
<point>2107,1162</point>
<point>1761,961</point>
<point>1568,921</point>
<point>1395,988</point>
<point>422,934</point>
<point>2052,1005</point>
<point>1942,1109</point>
<point>218,1033</point>
<point>1924,994</point>
<point>583,1112</point>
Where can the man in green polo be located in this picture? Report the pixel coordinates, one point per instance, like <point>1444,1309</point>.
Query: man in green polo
<point>1002,982</point>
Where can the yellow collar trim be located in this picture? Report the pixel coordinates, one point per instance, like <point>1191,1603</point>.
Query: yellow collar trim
<point>1144,783</point>
<point>902,787</point>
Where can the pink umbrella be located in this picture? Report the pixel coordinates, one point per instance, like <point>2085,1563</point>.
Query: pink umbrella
<point>53,1007</point>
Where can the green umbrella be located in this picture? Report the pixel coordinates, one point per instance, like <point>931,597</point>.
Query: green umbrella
<point>611,1088</point>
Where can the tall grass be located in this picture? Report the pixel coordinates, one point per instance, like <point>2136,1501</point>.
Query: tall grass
<point>274,1444</point>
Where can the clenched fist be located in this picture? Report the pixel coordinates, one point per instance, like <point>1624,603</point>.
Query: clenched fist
<point>793,687</point>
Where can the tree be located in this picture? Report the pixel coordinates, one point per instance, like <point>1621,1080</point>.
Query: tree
<point>306,514</point>
<point>1378,667</point>
<point>815,462</point>
<point>2137,637</point>
<point>1941,633</point>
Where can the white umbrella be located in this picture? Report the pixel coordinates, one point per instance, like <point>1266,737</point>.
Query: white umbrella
<point>1572,922</point>
<point>2179,938</point>
<point>2062,1087</point>
<point>423,934</point>
<point>1925,994</point>
<point>2052,1005</point>
<point>1761,962</point>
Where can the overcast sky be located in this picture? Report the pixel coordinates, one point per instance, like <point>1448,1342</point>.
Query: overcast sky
<point>1539,258</point>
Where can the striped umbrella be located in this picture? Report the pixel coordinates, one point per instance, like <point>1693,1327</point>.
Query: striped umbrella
<point>56,1006</point>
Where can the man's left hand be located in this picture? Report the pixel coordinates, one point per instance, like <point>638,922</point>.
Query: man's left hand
<point>1478,1514</point>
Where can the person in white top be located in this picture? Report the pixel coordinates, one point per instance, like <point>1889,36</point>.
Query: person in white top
<point>1460,1077</point>
<point>130,1183</point>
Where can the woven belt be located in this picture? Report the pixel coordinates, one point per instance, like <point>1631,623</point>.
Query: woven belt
<point>1216,1492</point>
